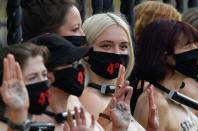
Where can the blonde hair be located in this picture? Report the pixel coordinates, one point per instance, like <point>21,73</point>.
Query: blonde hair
<point>149,11</point>
<point>96,24</point>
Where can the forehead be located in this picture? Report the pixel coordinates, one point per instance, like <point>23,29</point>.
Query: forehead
<point>73,16</point>
<point>113,33</point>
<point>33,65</point>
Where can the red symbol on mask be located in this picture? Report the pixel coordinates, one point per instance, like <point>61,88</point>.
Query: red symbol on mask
<point>111,67</point>
<point>41,100</point>
<point>80,77</point>
<point>197,62</point>
<point>117,65</point>
<point>42,97</point>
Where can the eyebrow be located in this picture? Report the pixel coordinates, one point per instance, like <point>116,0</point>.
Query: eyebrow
<point>109,41</point>
<point>125,42</point>
<point>32,74</point>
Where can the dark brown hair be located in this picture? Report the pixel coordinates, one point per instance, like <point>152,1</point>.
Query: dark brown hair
<point>151,63</point>
<point>21,53</point>
<point>43,16</point>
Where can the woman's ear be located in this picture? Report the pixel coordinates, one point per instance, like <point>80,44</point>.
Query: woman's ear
<point>170,60</point>
<point>50,77</point>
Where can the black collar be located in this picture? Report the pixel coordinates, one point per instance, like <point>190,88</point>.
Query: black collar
<point>104,89</point>
<point>178,97</point>
<point>162,88</point>
<point>58,117</point>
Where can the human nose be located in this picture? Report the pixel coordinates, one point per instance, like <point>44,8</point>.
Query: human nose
<point>42,78</point>
<point>81,33</point>
<point>194,46</point>
<point>117,50</point>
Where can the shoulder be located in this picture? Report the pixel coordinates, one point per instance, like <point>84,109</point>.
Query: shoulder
<point>142,108</point>
<point>89,97</point>
<point>93,101</point>
<point>160,100</point>
<point>73,101</point>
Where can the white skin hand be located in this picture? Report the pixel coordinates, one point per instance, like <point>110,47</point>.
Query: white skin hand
<point>80,119</point>
<point>120,112</point>
<point>153,120</point>
<point>13,91</point>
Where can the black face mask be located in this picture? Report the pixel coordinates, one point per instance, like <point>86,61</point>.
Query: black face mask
<point>77,40</point>
<point>187,63</point>
<point>38,96</point>
<point>70,80</point>
<point>107,64</point>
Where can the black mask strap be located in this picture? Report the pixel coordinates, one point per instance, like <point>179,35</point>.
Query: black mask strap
<point>104,89</point>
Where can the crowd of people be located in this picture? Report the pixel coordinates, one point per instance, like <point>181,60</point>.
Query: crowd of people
<point>72,73</point>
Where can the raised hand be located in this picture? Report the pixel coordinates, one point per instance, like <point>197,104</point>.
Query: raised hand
<point>120,111</point>
<point>153,119</point>
<point>120,105</point>
<point>120,79</point>
<point>13,91</point>
<point>80,120</point>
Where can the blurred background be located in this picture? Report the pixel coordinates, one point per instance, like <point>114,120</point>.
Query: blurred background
<point>3,17</point>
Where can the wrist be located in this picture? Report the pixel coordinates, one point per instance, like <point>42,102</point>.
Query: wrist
<point>18,116</point>
<point>12,126</point>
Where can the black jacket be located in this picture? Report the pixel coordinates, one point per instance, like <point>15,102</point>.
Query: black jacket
<point>14,14</point>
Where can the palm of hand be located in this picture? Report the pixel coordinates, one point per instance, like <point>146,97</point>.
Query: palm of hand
<point>15,96</point>
<point>120,105</point>
<point>13,91</point>
<point>120,114</point>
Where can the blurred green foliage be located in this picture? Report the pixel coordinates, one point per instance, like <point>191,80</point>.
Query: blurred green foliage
<point>117,5</point>
<point>3,8</point>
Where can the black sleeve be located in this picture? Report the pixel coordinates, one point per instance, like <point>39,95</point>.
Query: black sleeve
<point>127,8</point>
<point>133,79</point>
<point>14,14</point>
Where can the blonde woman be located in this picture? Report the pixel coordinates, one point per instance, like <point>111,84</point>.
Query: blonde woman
<point>109,35</point>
